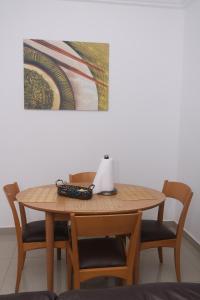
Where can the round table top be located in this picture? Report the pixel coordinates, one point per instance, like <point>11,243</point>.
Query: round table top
<point>129,198</point>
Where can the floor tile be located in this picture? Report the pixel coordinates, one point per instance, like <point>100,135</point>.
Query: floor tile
<point>34,275</point>
<point>8,245</point>
<point>4,265</point>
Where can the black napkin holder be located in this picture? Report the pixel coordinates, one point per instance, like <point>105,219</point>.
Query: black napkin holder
<point>74,191</point>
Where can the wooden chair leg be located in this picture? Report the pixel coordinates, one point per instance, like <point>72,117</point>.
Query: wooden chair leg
<point>20,265</point>
<point>24,257</point>
<point>160,254</point>
<point>136,269</point>
<point>129,280</point>
<point>177,263</point>
<point>58,253</point>
<point>77,284</point>
<point>69,271</point>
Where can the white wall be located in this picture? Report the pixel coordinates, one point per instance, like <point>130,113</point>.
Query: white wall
<point>189,162</point>
<point>141,128</point>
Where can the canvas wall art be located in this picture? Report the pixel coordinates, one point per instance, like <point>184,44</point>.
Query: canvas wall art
<point>62,75</point>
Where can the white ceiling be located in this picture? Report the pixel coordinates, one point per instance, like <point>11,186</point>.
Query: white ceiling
<point>156,3</point>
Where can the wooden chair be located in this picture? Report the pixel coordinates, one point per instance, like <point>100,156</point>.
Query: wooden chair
<point>104,256</point>
<point>155,234</point>
<point>31,236</point>
<point>82,177</point>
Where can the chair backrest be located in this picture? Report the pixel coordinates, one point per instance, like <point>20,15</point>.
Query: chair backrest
<point>11,191</point>
<point>181,192</point>
<point>82,177</point>
<point>107,225</point>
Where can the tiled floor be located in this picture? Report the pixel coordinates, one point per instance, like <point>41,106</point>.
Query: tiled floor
<point>34,273</point>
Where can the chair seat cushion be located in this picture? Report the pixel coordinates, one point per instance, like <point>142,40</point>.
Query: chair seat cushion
<point>101,252</point>
<point>152,230</point>
<point>35,231</point>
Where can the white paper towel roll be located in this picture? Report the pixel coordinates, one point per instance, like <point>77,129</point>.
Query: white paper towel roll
<point>103,180</point>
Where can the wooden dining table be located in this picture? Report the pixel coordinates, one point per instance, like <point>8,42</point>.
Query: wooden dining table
<point>129,198</point>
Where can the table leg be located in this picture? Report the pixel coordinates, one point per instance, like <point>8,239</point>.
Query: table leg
<point>50,249</point>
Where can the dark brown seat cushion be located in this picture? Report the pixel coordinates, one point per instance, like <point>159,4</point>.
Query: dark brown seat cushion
<point>35,231</point>
<point>152,291</point>
<point>152,230</point>
<point>101,252</point>
<point>44,295</point>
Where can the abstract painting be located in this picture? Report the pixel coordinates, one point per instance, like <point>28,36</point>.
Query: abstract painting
<point>62,75</point>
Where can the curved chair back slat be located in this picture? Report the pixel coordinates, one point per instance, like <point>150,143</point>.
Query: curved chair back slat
<point>11,190</point>
<point>82,177</point>
<point>183,193</point>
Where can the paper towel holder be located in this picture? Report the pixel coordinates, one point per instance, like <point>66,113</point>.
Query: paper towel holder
<point>108,193</point>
